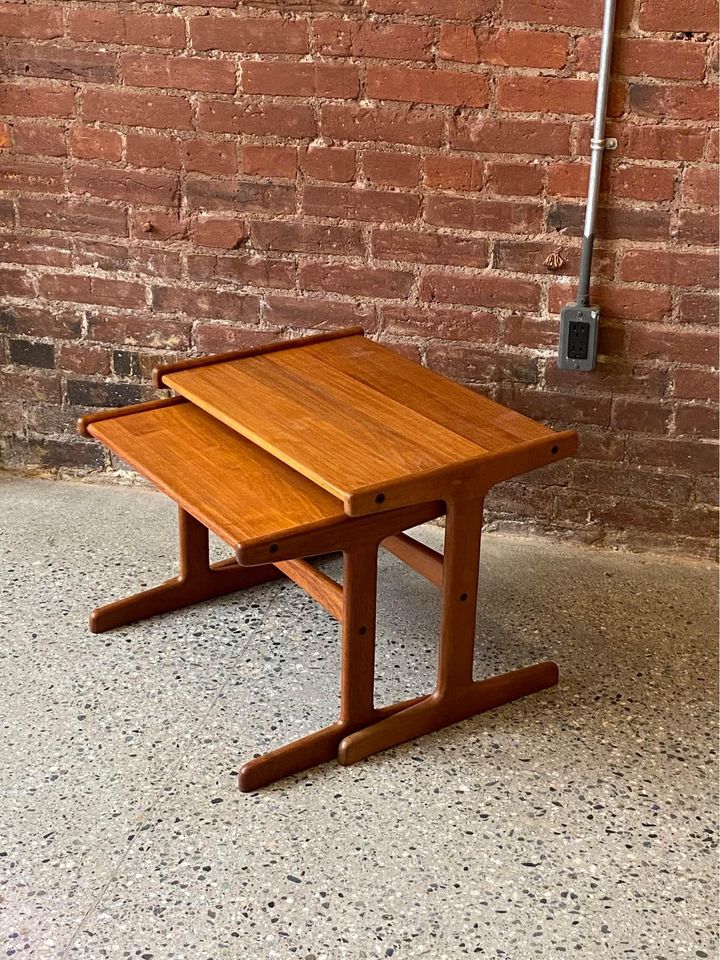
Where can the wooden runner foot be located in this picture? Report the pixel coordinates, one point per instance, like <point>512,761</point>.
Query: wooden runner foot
<point>443,710</point>
<point>316,748</point>
<point>197,581</point>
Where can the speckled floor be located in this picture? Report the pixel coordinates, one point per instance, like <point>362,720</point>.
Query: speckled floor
<point>579,822</point>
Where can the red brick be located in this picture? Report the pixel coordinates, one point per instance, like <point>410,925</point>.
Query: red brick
<point>668,15</point>
<point>336,164</point>
<point>355,204</point>
<point>481,291</point>
<point>173,72</point>
<point>653,142</point>
<point>645,57</point>
<point>391,169</point>
<point>73,216</point>
<point>158,225</point>
<point>465,362</point>
<point>446,324</point>
<point>697,227</point>
<point>491,135</point>
<point>210,156</point>
<point>285,78</point>
<point>256,118</point>
<point>82,289</point>
<point>416,247</point>
<point>85,359</point>
<point>546,95</point>
<point>637,223</point>
<point>125,185</point>
<point>153,150</point>
<point>95,143</point>
<point>39,139</point>
<point>387,124</point>
<point>137,109</point>
<point>291,236</point>
<point>639,415</point>
<point>386,41</point>
<point>507,48</point>
<point>675,102</point>
<point>674,344</point>
<point>670,267</point>
<point>515,179</point>
<point>249,34</point>
<point>682,455</point>
<point>237,307</point>
<point>43,251</point>
<point>447,9</point>
<point>641,182</point>
<point>354,281</point>
<point>555,12</point>
<point>502,216</point>
<point>453,173</point>
<point>219,337</point>
<point>15,283</point>
<point>524,331</point>
<point>698,308</point>
<point>23,100</point>
<point>108,26</point>
<point>160,333</point>
<point>268,161</point>
<point>317,313</point>
<point>56,62</point>
<point>243,196</point>
<point>611,377</point>
<point>32,23</point>
<point>30,176</point>
<point>700,186</point>
<point>249,270</point>
<point>693,383</point>
<point>428,86</point>
<point>697,420</point>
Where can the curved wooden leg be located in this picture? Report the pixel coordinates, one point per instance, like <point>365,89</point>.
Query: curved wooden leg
<point>196,581</point>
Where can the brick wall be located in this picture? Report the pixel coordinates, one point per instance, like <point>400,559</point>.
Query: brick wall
<point>196,176</point>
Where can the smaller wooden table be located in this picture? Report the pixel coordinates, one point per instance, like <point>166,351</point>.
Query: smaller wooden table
<point>331,443</point>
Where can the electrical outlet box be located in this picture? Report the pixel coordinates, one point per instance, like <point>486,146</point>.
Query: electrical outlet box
<point>578,337</point>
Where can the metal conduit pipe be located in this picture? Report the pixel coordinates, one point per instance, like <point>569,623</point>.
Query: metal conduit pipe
<point>579,321</point>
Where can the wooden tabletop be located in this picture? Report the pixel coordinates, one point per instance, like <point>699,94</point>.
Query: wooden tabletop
<point>367,425</point>
<point>230,485</point>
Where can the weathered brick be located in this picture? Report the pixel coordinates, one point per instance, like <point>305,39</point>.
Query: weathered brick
<point>289,79</point>
<point>242,196</point>
<point>354,204</point>
<point>33,100</point>
<point>336,164</point>
<point>58,63</point>
<point>481,291</point>
<point>391,169</point>
<point>269,161</point>
<point>95,143</point>
<point>502,216</point>
<point>490,135</point>
<point>127,186</point>
<point>355,281</point>
<point>430,247</point>
<point>249,34</point>
<point>198,302</point>
<point>39,139</point>
<point>108,26</point>
<point>428,86</point>
<point>506,48</point>
<point>171,72</point>
<point>290,236</point>
<point>256,118</point>
<point>410,125</point>
<point>136,109</point>
<point>227,233</point>
<point>32,23</point>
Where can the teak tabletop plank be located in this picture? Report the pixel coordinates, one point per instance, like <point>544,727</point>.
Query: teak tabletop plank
<point>358,420</point>
<point>227,483</point>
<point>469,414</point>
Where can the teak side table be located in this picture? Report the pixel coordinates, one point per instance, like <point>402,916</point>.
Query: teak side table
<point>332,443</point>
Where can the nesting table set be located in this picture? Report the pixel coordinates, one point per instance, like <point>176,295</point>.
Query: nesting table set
<point>331,443</point>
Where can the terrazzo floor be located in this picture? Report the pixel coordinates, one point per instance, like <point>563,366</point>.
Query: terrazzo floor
<point>579,822</point>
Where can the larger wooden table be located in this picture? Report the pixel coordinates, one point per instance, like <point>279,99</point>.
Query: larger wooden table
<point>332,443</point>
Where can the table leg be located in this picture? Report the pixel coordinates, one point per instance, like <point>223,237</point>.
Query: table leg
<point>456,696</point>
<point>357,681</point>
<point>196,581</point>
